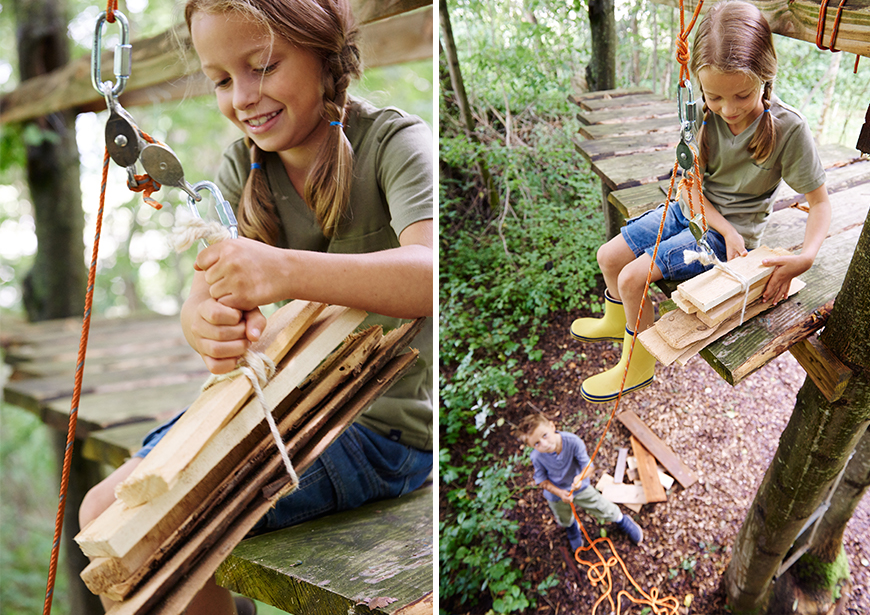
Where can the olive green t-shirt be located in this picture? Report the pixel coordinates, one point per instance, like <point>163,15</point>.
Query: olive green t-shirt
<point>392,188</point>
<point>744,190</point>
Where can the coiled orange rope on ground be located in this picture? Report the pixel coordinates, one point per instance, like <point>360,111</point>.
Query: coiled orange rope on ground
<point>599,572</point>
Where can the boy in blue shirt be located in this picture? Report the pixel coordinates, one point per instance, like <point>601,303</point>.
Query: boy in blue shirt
<point>559,458</point>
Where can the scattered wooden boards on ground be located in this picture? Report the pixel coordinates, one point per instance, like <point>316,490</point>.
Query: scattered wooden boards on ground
<point>711,305</point>
<point>647,481</point>
<point>154,557</point>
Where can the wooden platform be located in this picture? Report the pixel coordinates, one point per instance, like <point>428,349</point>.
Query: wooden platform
<point>139,372</point>
<point>634,157</point>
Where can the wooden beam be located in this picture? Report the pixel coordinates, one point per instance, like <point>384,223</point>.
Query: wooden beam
<point>648,472</point>
<point>799,19</point>
<point>166,68</point>
<point>661,451</point>
<point>619,472</point>
<point>823,367</point>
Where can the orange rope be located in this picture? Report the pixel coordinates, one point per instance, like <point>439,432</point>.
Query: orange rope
<point>111,7</point>
<point>77,391</point>
<point>600,572</point>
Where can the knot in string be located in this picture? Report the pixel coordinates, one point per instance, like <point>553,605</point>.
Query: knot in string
<point>690,256</point>
<point>256,366</point>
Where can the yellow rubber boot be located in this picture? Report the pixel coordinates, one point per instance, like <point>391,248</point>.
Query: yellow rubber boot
<point>604,387</point>
<point>610,327</point>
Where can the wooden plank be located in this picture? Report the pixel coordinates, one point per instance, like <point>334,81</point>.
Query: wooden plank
<point>218,404</point>
<point>629,114</point>
<point>640,127</point>
<point>403,38</point>
<point>715,286</point>
<point>636,169</point>
<point>579,97</point>
<point>174,583</point>
<point>648,473</point>
<point>620,493</point>
<point>680,330</point>
<point>298,570</point>
<point>799,19</point>
<point>158,62</point>
<point>636,99</point>
<point>721,312</point>
<point>115,445</point>
<point>823,367</point>
<point>596,149</point>
<point>661,451</point>
<point>619,472</point>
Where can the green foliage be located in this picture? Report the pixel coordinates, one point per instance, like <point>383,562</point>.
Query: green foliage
<point>28,501</point>
<point>472,546</point>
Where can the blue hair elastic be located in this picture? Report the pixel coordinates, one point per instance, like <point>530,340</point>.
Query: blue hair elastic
<point>256,165</point>
<point>767,110</point>
<point>336,124</point>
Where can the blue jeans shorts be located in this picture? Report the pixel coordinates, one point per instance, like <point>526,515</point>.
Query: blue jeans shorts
<point>640,234</point>
<point>360,466</point>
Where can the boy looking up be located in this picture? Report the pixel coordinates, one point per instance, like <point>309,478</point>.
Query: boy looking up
<point>559,458</point>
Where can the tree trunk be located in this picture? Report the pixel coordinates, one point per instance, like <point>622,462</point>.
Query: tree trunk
<point>831,75</point>
<point>601,70</point>
<point>813,448</point>
<point>821,576</point>
<point>55,287</point>
<point>635,46</point>
<point>458,85</point>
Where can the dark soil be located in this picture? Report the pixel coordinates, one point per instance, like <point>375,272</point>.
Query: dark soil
<point>727,435</point>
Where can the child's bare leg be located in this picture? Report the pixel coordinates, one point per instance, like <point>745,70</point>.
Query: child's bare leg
<point>613,257</point>
<point>631,282</point>
<point>211,600</point>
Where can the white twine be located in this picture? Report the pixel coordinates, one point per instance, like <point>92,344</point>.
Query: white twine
<point>256,366</point>
<point>690,256</point>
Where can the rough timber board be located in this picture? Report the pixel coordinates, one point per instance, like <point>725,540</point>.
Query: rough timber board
<point>629,114</point>
<point>215,406</point>
<point>115,445</point>
<point>823,366</point>
<point>625,171</point>
<point>627,494</point>
<point>300,570</point>
<point>649,476</point>
<point>747,348</point>
<point>680,330</point>
<point>661,451</point>
<point>630,100</point>
<point>641,127</point>
<point>596,149</point>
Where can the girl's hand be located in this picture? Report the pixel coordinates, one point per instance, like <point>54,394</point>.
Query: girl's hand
<point>787,268</point>
<point>220,334</point>
<point>242,273</point>
<point>734,245</point>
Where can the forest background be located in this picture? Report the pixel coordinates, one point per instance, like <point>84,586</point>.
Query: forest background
<point>137,272</point>
<point>511,268</point>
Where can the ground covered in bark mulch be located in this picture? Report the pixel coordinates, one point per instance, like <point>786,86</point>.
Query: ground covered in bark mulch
<point>727,435</point>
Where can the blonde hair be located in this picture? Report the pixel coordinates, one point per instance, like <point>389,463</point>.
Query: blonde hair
<point>734,37</point>
<point>529,424</point>
<point>326,28</point>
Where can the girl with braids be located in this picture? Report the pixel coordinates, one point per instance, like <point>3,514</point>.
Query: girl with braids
<point>335,202</point>
<point>749,141</point>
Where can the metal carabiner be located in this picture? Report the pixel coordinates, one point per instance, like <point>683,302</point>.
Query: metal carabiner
<point>686,111</point>
<point>222,206</point>
<point>123,57</point>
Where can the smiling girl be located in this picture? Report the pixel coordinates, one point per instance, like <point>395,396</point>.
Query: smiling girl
<point>749,142</point>
<point>334,199</point>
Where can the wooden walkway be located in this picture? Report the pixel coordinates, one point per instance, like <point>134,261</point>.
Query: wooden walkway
<point>629,136</point>
<point>138,373</point>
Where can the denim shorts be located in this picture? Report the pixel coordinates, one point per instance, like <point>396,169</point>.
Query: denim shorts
<point>360,466</point>
<point>640,234</point>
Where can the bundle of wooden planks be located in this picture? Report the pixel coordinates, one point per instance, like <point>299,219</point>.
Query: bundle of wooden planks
<point>710,305</point>
<point>218,470</point>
